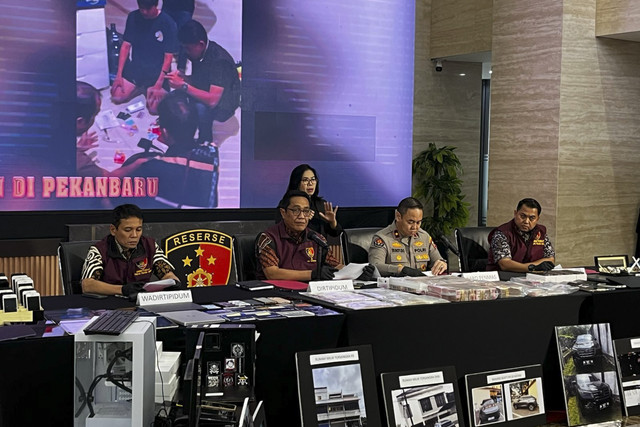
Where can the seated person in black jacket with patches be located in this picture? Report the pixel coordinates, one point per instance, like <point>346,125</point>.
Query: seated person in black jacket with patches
<point>125,259</point>
<point>522,244</point>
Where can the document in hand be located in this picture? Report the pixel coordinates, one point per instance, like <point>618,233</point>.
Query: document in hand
<point>353,271</point>
<point>158,285</point>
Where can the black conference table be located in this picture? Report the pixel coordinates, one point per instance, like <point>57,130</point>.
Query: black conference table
<point>472,336</point>
<point>279,340</point>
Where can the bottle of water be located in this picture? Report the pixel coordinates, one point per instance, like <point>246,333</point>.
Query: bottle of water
<point>113,46</point>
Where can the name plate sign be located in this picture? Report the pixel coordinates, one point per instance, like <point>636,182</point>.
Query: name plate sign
<point>164,297</point>
<point>418,380</point>
<point>330,286</point>
<point>509,376</point>
<point>491,276</point>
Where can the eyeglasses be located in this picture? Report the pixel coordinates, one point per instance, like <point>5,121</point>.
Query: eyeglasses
<point>524,217</point>
<point>308,213</point>
<point>311,180</point>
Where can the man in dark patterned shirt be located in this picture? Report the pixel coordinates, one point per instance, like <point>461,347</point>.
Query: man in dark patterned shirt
<point>289,250</point>
<point>521,244</point>
<point>124,260</point>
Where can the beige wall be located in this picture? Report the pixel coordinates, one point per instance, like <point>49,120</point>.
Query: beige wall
<point>447,106</point>
<point>460,27</point>
<point>525,105</point>
<point>599,156</point>
<point>564,126</point>
<point>618,18</point>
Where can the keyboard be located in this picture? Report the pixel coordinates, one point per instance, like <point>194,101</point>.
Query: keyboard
<point>112,322</point>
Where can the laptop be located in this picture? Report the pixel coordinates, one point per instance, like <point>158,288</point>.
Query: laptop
<point>173,306</point>
<point>192,317</point>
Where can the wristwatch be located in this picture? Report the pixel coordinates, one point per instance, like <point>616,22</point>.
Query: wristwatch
<point>185,86</point>
<point>531,267</point>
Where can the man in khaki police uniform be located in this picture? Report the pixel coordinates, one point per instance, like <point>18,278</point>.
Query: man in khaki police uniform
<point>403,248</point>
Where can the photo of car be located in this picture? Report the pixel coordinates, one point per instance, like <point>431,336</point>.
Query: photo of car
<point>592,394</point>
<point>526,401</point>
<point>489,411</point>
<point>586,351</point>
<point>586,354</point>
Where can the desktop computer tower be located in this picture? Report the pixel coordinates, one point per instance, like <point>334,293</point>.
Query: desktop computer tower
<point>115,377</point>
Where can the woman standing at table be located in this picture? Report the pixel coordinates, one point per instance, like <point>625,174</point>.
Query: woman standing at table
<point>304,178</point>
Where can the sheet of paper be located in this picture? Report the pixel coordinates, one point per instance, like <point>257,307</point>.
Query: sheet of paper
<point>158,285</point>
<point>353,271</point>
<point>106,120</point>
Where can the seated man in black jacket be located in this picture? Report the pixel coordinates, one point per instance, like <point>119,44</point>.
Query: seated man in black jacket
<point>125,259</point>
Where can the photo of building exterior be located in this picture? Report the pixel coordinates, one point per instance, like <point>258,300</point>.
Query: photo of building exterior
<point>338,409</point>
<point>432,406</point>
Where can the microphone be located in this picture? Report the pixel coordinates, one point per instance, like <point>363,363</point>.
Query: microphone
<point>318,239</point>
<point>449,245</point>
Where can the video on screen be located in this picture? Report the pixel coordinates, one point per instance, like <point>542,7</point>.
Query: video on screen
<point>202,104</point>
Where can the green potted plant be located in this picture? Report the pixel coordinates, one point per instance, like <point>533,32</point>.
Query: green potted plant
<point>437,185</point>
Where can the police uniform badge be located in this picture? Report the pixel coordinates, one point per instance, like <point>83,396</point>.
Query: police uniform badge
<point>142,267</point>
<point>310,253</point>
<point>537,239</point>
<point>378,243</point>
<point>200,257</point>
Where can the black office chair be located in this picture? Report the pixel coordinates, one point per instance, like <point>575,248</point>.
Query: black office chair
<point>244,254</point>
<point>71,257</point>
<point>473,244</point>
<point>357,242</point>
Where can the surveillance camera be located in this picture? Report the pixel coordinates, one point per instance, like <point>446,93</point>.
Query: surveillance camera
<point>438,65</point>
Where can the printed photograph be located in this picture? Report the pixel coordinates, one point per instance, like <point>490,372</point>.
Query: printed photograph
<point>629,371</point>
<point>432,405</point>
<point>592,398</point>
<point>339,396</point>
<point>631,395</point>
<point>585,348</point>
<point>524,398</point>
<point>589,373</point>
<point>488,405</point>
<point>629,364</point>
